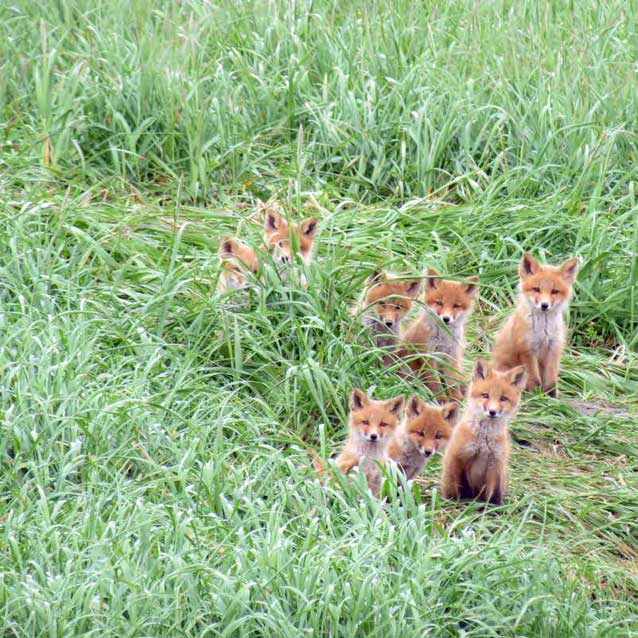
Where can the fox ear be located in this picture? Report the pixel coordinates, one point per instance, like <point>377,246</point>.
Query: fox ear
<point>309,227</point>
<point>517,376</point>
<point>450,411</point>
<point>433,278</point>
<point>569,269</point>
<point>472,289</point>
<point>377,277</point>
<point>272,221</point>
<point>358,399</point>
<point>415,406</point>
<point>528,265</point>
<point>395,405</point>
<point>227,246</point>
<point>481,369</point>
<point>412,287</point>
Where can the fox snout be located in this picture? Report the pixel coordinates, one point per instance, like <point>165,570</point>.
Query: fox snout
<point>493,411</point>
<point>373,436</point>
<point>427,452</point>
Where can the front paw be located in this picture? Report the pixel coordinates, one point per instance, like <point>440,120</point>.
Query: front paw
<point>551,391</point>
<point>532,384</point>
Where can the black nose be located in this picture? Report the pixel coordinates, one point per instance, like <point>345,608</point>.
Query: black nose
<point>446,319</point>
<point>544,306</point>
<point>389,324</point>
<point>284,259</point>
<point>492,413</point>
<point>427,452</point>
<point>373,437</point>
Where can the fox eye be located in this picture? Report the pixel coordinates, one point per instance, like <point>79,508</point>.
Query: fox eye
<point>421,433</point>
<point>504,398</point>
<point>383,424</point>
<point>438,435</point>
<point>365,422</point>
<point>485,395</point>
<point>536,289</point>
<point>457,306</point>
<point>438,303</point>
<point>554,291</point>
<point>397,307</point>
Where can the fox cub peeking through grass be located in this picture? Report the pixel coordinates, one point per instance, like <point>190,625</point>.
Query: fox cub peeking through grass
<point>534,335</point>
<point>372,424</point>
<point>476,459</point>
<point>384,305</point>
<point>434,342</point>
<point>237,260</point>
<point>424,431</point>
<point>283,239</point>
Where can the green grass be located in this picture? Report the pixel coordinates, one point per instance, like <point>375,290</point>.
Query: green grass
<point>155,480</point>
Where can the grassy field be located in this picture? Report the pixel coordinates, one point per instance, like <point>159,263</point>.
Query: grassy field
<point>154,479</point>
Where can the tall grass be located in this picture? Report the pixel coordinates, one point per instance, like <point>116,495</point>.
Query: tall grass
<point>155,479</point>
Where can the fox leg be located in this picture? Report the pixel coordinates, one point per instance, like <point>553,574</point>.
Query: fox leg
<point>452,483</point>
<point>494,487</point>
<point>346,461</point>
<point>533,373</point>
<point>549,373</point>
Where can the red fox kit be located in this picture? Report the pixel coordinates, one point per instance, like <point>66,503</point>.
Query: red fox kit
<point>425,430</point>
<point>371,427</point>
<point>439,330</point>
<point>237,259</point>
<point>384,305</point>
<point>534,335</point>
<point>278,233</point>
<point>475,461</point>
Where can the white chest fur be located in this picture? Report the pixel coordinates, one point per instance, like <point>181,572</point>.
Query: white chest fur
<point>546,331</point>
<point>445,340</point>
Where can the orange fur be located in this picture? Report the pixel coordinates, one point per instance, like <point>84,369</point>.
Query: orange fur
<point>534,335</point>
<point>237,260</point>
<point>439,330</point>
<point>476,459</point>
<point>425,430</point>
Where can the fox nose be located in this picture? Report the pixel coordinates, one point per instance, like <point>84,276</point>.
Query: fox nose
<point>389,323</point>
<point>427,452</point>
<point>544,305</point>
<point>285,259</point>
<point>492,413</point>
<point>374,437</point>
<point>446,319</point>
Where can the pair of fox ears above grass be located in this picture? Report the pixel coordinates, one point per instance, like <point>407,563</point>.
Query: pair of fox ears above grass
<point>276,222</point>
<point>529,266</point>
<point>359,400</point>
<point>515,376</point>
<point>432,281</point>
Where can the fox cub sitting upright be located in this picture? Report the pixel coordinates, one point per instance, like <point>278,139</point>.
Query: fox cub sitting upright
<point>475,461</point>
<point>425,430</point>
<point>371,427</point>
<point>384,305</point>
<point>434,342</point>
<point>534,335</point>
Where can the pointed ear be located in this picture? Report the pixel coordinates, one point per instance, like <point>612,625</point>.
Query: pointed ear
<point>309,227</point>
<point>412,287</point>
<point>528,265</point>
<point>227,247</point>
<point>272,221</point>
<point>450,412</point>
<point>569,269</point>
<point>377,277</point>
<point>358,399</point>
<point>432,280</point>
<point>395,405</point>
<point>472,288</point>
<point>517,376</point>
<point>415,406</point>
<point>481,369</point>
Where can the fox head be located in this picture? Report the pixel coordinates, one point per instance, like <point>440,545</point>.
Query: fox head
<point>546,288</point>
<point>374,421</point>
<point>450,301</point>
<point>495,394</point>
<point>237,260</point>
<point>278,235</point>
<point>429,427</point>
<point>388,301</point>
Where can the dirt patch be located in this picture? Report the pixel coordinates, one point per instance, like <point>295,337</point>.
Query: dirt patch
<point>593,406</point>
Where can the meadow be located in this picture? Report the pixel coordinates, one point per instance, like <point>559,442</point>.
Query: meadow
<point>154,475</point>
